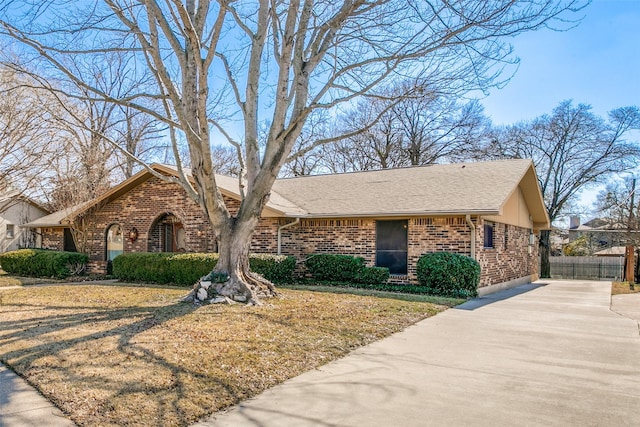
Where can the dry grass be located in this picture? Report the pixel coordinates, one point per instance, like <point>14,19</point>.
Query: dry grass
<point>618,288</point>
<point>7,280</point>
<point>127,355</point>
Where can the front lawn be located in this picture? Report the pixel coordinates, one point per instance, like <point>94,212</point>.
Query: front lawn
<point>133,355</point>
<point>7,280</point>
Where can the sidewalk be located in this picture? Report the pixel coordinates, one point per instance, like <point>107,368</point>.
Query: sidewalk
<point>22,406</point>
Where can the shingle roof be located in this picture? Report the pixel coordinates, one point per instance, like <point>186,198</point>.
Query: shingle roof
<point>612,251</point>
<point>426,190</point>
<point>56,219</point>
<point>466,188</point>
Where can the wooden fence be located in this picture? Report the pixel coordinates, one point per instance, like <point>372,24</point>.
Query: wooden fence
<point>587,267</point>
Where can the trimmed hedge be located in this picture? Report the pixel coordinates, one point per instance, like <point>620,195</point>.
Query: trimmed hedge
<point>449,274</point>
<point>43,263</point>
<point>341,268</point>
<point>186,269</point>
<point>373,275</point>
<point>276,268</point>
<point>345,268</point>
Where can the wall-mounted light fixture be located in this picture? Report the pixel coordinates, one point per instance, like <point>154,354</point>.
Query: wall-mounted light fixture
<point>133,234</point>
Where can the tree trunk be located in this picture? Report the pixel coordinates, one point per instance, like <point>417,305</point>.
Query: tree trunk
<point>637,261</point>
<point>545,252</point>
<point>232,278</point>
<point>243,285</point>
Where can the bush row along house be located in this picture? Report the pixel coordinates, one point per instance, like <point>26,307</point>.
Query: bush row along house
<point>490,211</point>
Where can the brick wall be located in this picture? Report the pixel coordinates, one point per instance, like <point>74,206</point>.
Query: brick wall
<point>53,239</point>
<point>425,235</point>
<point>511,256</point>
<point>144,208</point>
<point>153,201</point>
<point>355,237</point>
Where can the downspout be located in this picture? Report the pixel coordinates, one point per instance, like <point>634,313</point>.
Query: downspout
<point>473,236</point>
<point>282,227</point>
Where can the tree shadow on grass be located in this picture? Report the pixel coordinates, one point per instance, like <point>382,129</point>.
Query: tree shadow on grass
<point>92,363</point>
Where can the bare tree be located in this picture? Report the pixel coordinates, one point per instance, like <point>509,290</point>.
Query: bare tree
<point>24,132</point>
<point>319,126</point>
<point>139,134</point>
<point>619,204</point>
<point>375,140</point>
<point>215,63</point>
<point>572,149</point>
<point>410,131</point>
<point>437,128</point>
<point>225,160</point>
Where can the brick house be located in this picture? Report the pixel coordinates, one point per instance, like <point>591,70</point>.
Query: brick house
<point>490,211</point>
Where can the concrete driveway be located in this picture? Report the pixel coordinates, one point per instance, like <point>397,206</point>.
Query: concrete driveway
<point>551,353</point>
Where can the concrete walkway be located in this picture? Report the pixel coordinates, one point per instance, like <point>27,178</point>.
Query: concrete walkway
<point>548,354</point>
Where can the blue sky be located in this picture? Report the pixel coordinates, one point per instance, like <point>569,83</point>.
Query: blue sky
<point>596,63</point>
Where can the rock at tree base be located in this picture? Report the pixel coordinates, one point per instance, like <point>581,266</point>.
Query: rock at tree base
<point>202,294</point>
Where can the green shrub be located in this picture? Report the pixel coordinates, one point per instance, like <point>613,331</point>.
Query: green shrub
<point>333,267</point>
<point>276,268</point>
<point>449,274</point>
<point>180,269</point>
<point>373,275</point>
<point>186,269</point>
<point>43,263</point>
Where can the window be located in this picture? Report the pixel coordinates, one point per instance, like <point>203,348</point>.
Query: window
<point>68,242</point>
<point>488,235</point>
<point>10,231</point>
<point>391,246</point>
<point>115,244</point>
<point>506,236</point>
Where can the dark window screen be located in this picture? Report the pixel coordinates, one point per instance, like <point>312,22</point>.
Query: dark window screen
<point>488,235</point>
<point>391,246</point>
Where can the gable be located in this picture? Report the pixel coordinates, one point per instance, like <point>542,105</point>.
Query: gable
<point>514,211</point>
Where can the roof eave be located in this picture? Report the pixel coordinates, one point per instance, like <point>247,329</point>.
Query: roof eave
<point>395,214</point>
<point>43,225</point>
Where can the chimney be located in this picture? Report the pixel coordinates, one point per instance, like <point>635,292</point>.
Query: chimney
<point>574,222</point>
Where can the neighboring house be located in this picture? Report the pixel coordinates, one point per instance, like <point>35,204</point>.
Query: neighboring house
<point>615,251</point>
<point>15,211</point>
<point>600,233</point>
<point>490,211</point>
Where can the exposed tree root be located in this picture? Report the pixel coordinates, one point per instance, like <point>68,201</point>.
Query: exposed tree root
<point>249,288</point>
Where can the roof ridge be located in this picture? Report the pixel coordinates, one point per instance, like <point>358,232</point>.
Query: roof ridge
<point>432,165</point>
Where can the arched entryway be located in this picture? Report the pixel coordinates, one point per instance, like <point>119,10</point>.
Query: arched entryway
<point>167,234</point>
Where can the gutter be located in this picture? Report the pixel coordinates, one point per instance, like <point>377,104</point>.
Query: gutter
<point>473,235</point>
<point>393,214</point>
<point>282,227</point>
